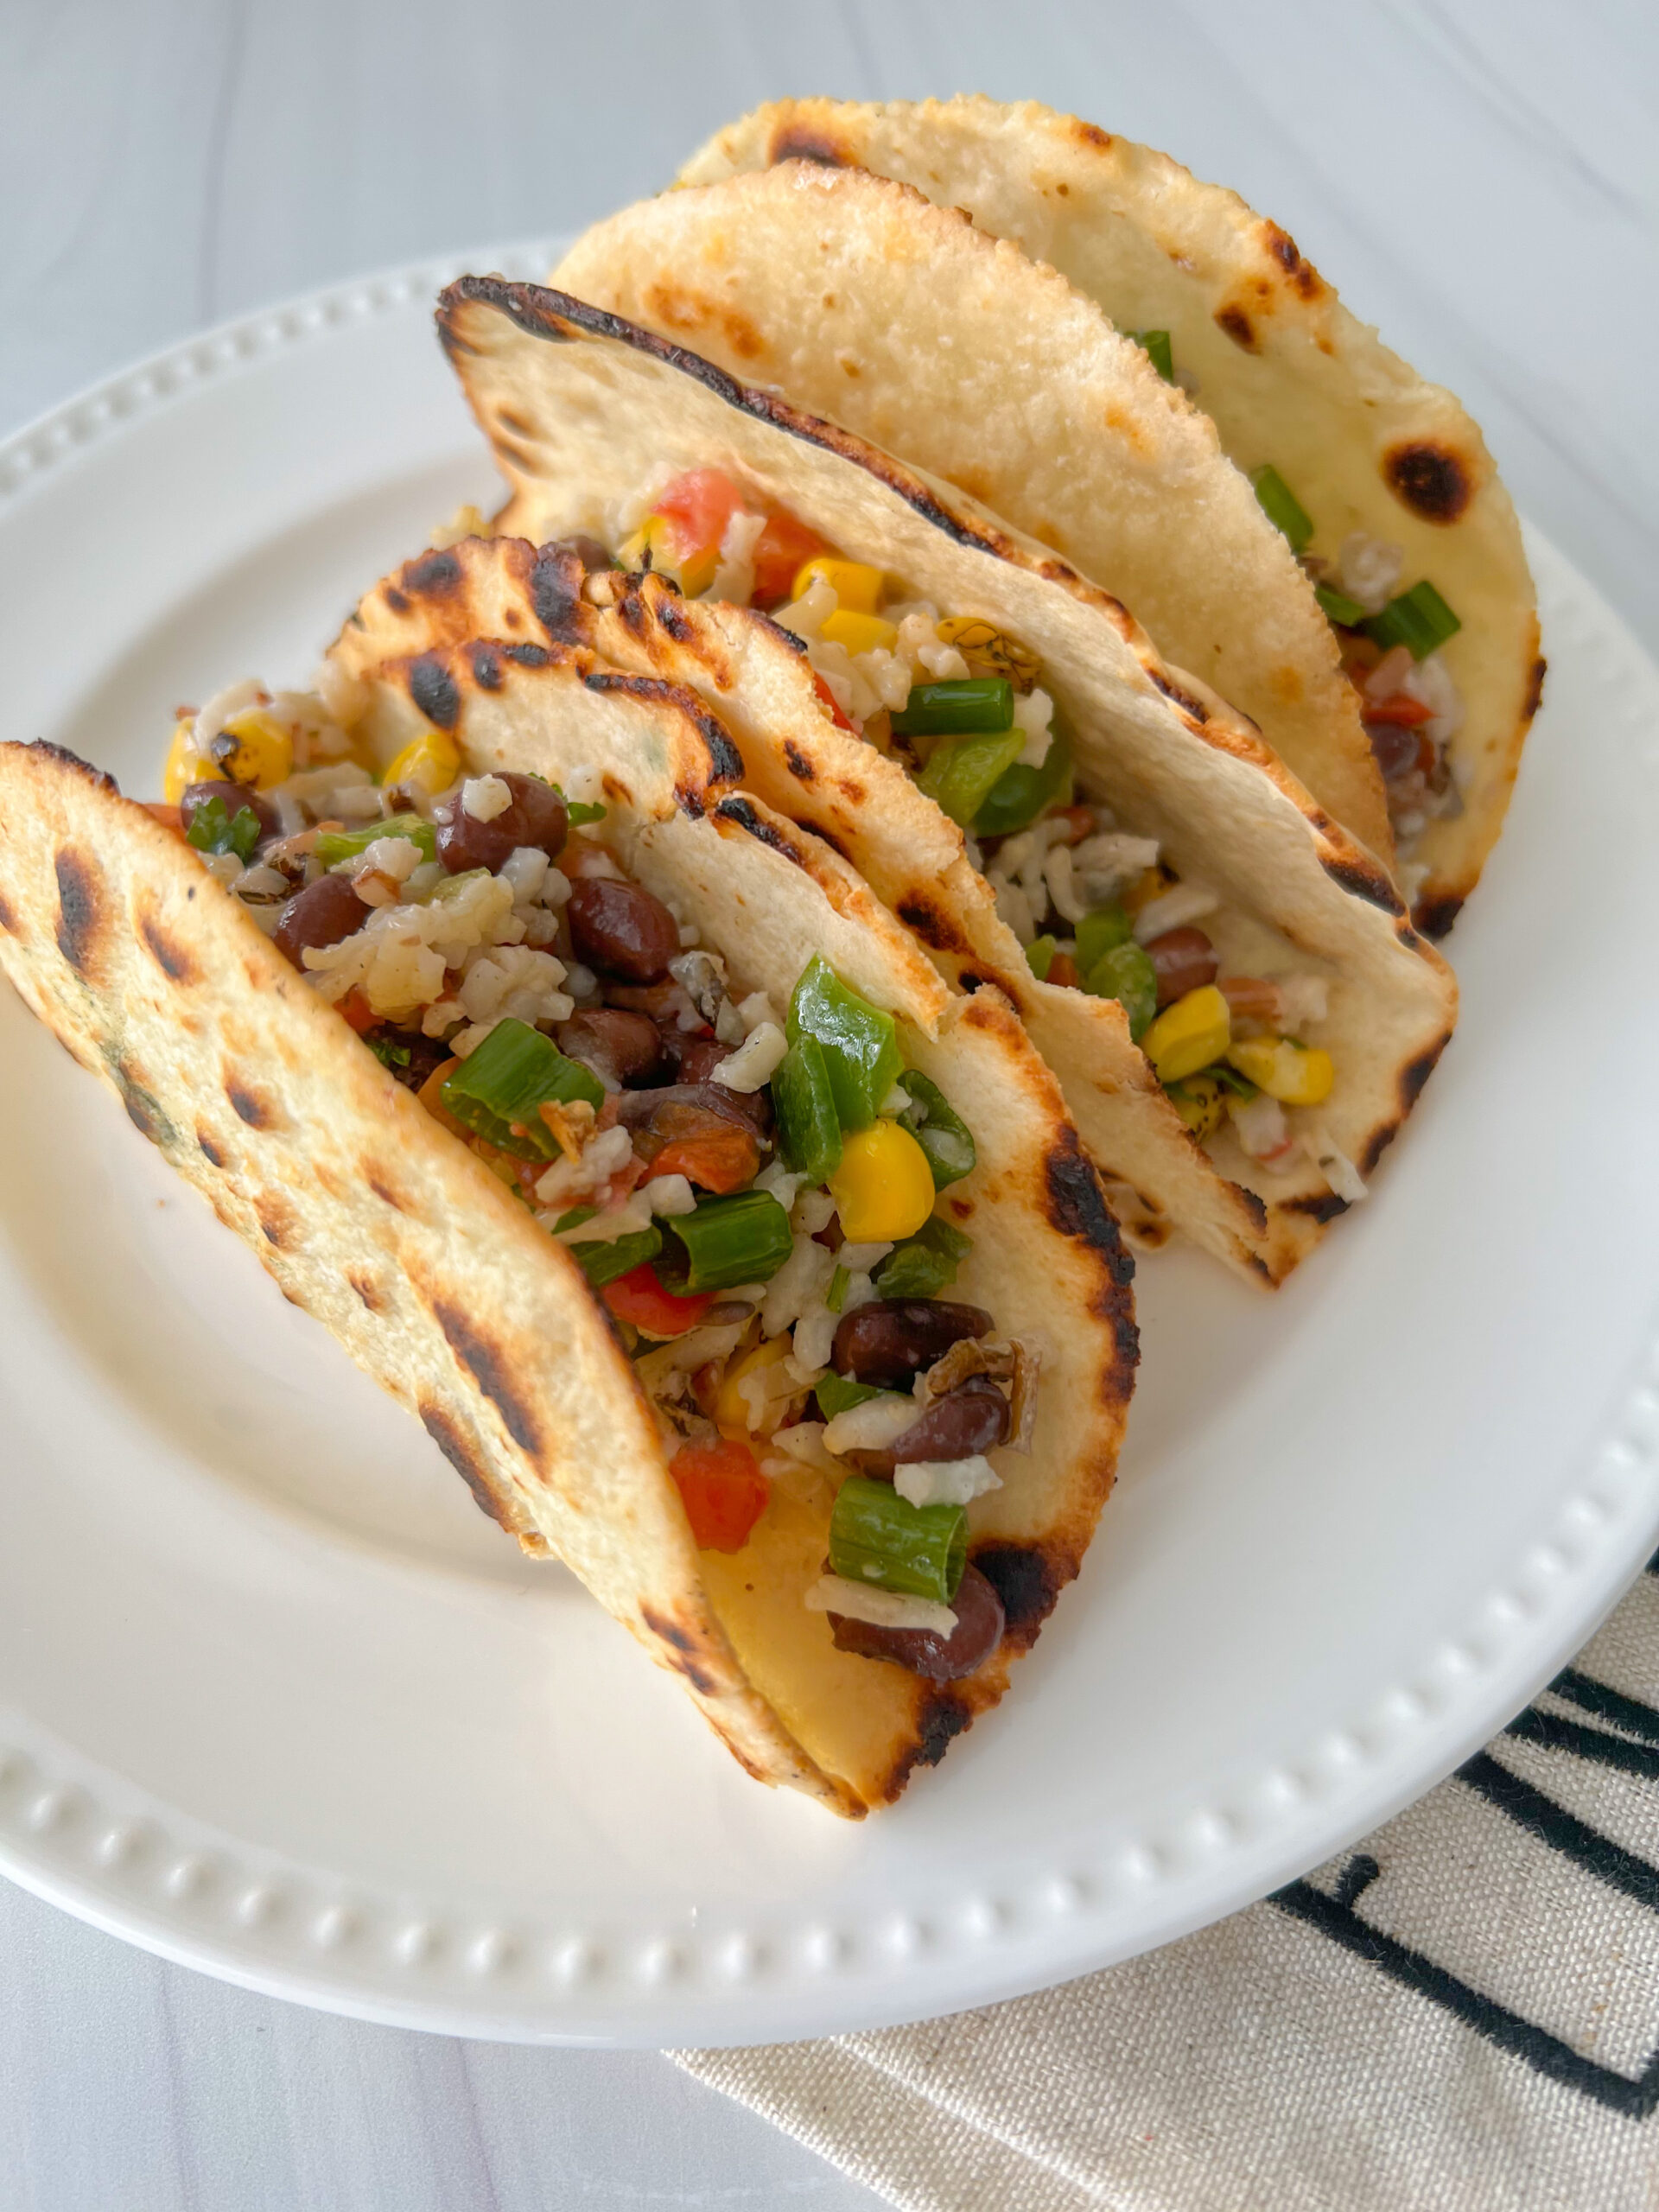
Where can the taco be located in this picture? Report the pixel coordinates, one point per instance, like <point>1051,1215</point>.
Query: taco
<point>1381,481</point>
<point>727,1254</point>
<point>943,651</point>
<point>950,348</point>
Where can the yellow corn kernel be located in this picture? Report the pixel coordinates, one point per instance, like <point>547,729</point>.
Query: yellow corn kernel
<point>988,650</point>
<point>1151,884</point>
<point>185,766</point>
<point>430,762</point>
<point>731,1410</point>
<point>657,535</point>
<point>855,584</point>
<point>265,751</point>
<point>1188,1035</point>
<point>859,633</point>
<point>883,1188</point>
<point>1200,1104</point>
<point>1296,1075</point>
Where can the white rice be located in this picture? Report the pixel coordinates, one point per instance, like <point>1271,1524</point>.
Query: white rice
<point>945,1482</point>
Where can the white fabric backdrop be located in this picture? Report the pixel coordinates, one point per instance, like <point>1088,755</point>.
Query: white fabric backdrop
<point>1481,178</point>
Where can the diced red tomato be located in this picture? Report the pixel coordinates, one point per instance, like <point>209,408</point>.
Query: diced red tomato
<point>723,1490</point>
<point>719,1157</point>
<point>357,1011</point>
<point>697,507</point>
<point>639,1298</point>
<point>1402,710</point>
<point>1063,969</point>
<point>829,699</point>
<point>778,552</point>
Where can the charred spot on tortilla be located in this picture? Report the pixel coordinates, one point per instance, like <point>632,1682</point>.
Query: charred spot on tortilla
<point>276,1219</point>
<point>1238,326</point>
<point>1077,1207</point>
<point>459,1454</point>
<point>80,914</point>
<point>8,919</point>
<point>797,762</point>
<point>556,594</point>
<point>1534,697</point>
<point>743,816</point>
<point>725,761</point>
<point>486,667</point>
<point>368,1292</point>
<point>383,1192</point>
<point>1283,248</point>
<point>1366,881</point>
<point>1415,1074</point>
<point>528,656</point>
<point>681,310</point>
<point>172,959</point>
<point>433,575</point>
<point>796,646</point>
<point>492,1369</point>
<point>672,619</point>
<point>1189,706</point>
<point>1434,917</point>
<point>940,1721</point>
<point>1321,1206</point>
<point>208,1150</point>
<point>1431,479</point>
<point>1091,135</point>
<point>685,1649</point>
<point>1027,1581</point>
<point>144,1111</point>
<point>934,928</point>
<point>395,599</point>
<point>434,691</point>
<point>826,837</point>
<point>248,1106</point>
<point>798,142</point>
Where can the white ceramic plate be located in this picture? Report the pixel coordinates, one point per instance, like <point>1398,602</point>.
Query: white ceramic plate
<point>275,1700</point>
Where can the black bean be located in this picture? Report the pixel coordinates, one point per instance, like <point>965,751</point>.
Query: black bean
<point>323,913</point>
<point>1183,960</point>
<point>888,1341</point>
<point>620,1048</point>
<point>233,797</point>
<point>974,1417</point>
<point>622,930</point>
<point>694,1059</point>
<point>940,1658</point>
<point>1395,750</point>
<point>538,816</point>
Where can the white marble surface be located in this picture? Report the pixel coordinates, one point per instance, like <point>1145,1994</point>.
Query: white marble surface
<point>1481,178</point>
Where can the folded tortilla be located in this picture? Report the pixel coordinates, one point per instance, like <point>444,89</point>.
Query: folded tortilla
<point>951,348</point>
<point>1288,376</point>
<point>370,1215</point>
<point>589,415</point>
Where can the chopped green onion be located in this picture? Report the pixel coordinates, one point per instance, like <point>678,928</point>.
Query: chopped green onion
<point>497,1089</point>
<point>1040,956</point>
<point>1156,343</point>
<point>745,1238</point>
<point>388,1054</point>
<point>1127,975</point>
<point>961,774</point>
<point>938,1128</point>
<point>602,1261</point>
<point>575,1218</point>
<point>860,1045</point>
<point>1100,932</point>
<point>1418,619</point>
<point>1230,1079</point>
<point>214,830</point>
<point>876,1537</point>
<point>1021,795</point>
<point>335,846</point>
<point>964,704</point>
<point>809,1128</point>
<point>923,1264</point>
<point>835,1297</point>
<point>1281,507</point>
<point>579,812</point>
<point>1340,608</point>
<point>836,1392</point>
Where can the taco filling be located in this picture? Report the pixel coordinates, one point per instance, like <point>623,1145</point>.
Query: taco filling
<point>751,1189</point>
<point>1226,1011</point>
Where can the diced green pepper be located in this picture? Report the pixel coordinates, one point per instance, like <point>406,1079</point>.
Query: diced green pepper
<point>1419,619</point>
<point>496,1090</point>
<point>1099,932</point>
<point>835,1297</point>
<point>1281,507</point>
<point>809,1128</point>
<point>1039,955</point>
<point>745,1238</point>
<point>938,1128</point>
<point>875,1537</point>
<point>923,1264</point>
<point>335,846</point>
<point>961,705</point>
<point>1127,975</point>
<point>602,1262</point>
<point>962,771</point>
<point>860,1045</point>
<point>1022,796</point>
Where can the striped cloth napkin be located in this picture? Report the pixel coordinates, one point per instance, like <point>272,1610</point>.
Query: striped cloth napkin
<point>1461,2016</point>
